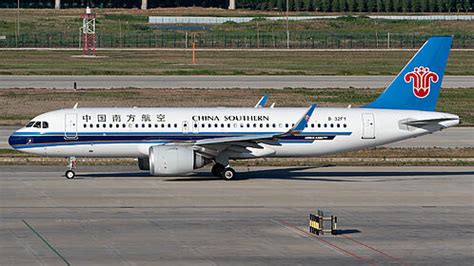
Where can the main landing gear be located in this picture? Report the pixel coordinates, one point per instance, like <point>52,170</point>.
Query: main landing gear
<point>72,162</point>
<point>227,173</point>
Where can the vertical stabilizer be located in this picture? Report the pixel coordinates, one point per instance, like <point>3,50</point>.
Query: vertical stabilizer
<point>417,86</point>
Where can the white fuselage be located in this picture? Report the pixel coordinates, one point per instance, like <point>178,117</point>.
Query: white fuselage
<point>130,132</point>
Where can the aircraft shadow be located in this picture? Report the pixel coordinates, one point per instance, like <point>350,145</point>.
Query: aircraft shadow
<point>298,173</point>
<point>292,173</point>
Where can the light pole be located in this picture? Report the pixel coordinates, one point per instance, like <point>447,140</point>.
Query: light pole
<point>17,22</point>
<point>287,28</point>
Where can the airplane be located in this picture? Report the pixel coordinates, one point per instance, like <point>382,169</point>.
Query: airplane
<point>176,141</point>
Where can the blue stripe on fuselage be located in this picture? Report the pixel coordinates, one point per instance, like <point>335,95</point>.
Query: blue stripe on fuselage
<point>21,140</point>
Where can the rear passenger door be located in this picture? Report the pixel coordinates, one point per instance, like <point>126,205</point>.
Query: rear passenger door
<point>368,123</point>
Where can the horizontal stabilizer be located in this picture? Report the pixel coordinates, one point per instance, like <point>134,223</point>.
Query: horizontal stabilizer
<point>427,121</point>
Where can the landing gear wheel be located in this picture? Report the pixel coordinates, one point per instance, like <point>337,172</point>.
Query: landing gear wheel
<point>217,169</point>
<point>228,174</point>
<point>70,174</point>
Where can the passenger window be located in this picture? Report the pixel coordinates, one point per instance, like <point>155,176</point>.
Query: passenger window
<point>30,124</point>
<point>45,125</point>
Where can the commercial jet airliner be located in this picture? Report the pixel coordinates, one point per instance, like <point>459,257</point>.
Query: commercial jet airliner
<point>175,141</point>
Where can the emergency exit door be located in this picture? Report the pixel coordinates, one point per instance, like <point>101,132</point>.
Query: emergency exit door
<point>368,122</point>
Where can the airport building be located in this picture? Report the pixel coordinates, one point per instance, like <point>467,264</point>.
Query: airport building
<point>143,4</point>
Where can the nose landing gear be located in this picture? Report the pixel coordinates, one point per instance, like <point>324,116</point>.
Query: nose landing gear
<point>72,162</point>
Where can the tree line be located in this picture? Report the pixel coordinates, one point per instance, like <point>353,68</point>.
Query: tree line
<point>360,5</point>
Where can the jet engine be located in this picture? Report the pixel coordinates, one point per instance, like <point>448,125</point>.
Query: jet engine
<point>144,163</point>
<point>174,160</point>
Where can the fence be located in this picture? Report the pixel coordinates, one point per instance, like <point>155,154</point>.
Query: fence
<point>230,40</point>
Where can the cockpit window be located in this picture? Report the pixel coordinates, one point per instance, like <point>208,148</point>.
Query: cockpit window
<point>37,124</point>
<point>30,124</point>
<point>45,125</point>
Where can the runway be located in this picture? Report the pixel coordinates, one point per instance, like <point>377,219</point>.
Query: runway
<point>118,216</point>
<point>215,82</point>
<point>459,137</point>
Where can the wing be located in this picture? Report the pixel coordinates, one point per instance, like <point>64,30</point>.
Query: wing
<point>245,142</point>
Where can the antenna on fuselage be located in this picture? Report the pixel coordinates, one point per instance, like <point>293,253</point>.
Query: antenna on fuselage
<point>75,106</point>
<point>273,105</point>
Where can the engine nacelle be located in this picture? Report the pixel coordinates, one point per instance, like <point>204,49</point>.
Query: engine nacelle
<point>174,160</point>
<point>144,163</point>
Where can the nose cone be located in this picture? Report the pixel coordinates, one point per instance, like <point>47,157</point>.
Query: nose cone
<point>14,140</point>
<point>11,140</point>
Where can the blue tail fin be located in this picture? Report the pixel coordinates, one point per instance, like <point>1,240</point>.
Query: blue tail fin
<point>417,86</point>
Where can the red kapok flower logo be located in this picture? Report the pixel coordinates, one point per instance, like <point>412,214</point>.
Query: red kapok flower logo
<point>421,78</point>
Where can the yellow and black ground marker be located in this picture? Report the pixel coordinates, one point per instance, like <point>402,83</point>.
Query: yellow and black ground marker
<point>318,224</point>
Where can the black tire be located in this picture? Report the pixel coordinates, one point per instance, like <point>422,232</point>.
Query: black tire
<point>70,174</point>
<point>217,169</point>
<point>228,174</point>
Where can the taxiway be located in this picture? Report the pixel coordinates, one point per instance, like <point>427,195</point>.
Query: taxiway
<point>117,215</point>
